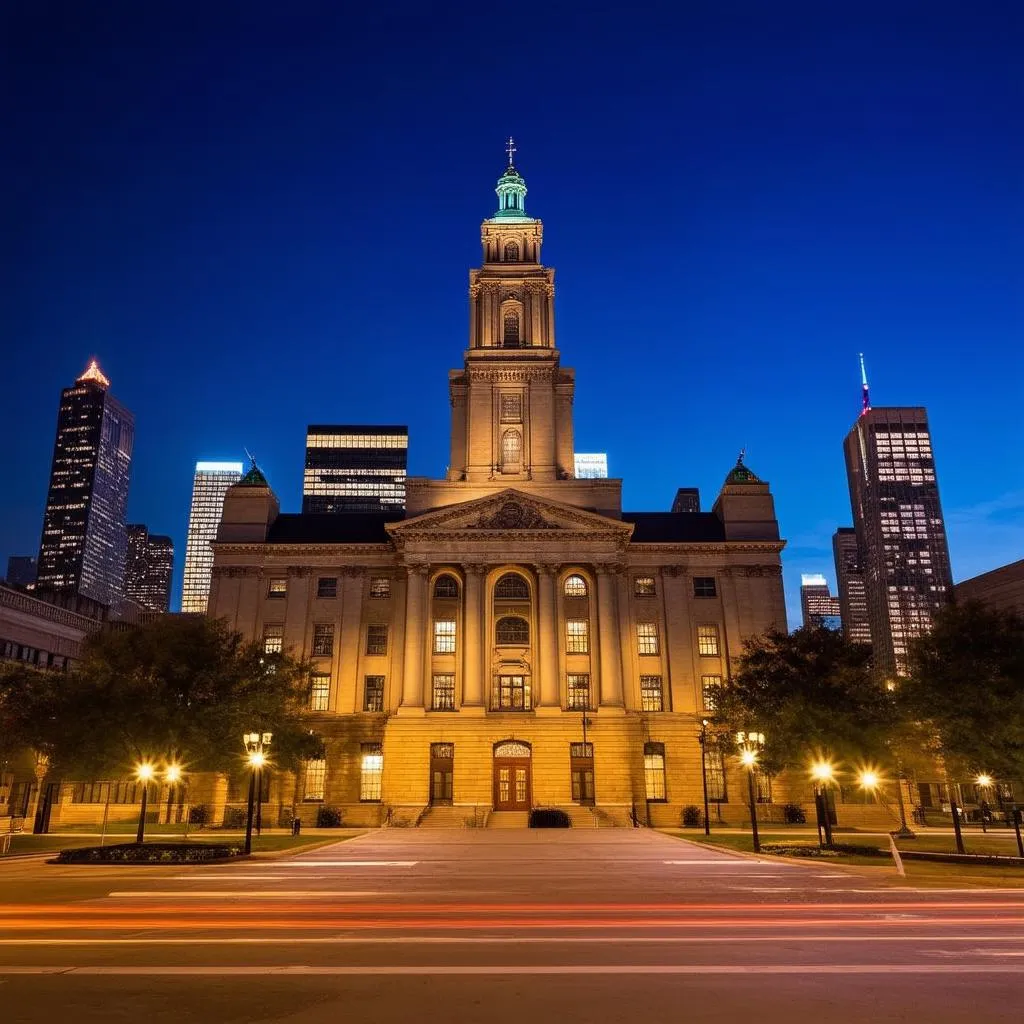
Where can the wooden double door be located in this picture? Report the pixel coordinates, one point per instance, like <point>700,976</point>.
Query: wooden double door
<point>512,784</point>
<point>442,772</point>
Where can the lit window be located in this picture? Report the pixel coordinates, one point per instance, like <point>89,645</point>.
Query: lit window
<point>711,691</point>
<point>380,586</point>
<point>319,691</point>
<point>707,641</point>
<point>575,586</point>
<point>763,781</point>
<point>511,448</point>
<point>512,630</point>
<point>577,638</point>
<point>277,588</point>
<point>512,587</point>
<point>323,639</point>
<point>371,771</point>
<point>273,639</point>
<point>643,586</point>
<point>316,775</point>
<point>376,639</point>
<point>443,698</point>
<point>511,252</point>
<point>511,408</point>
<point>654,771</point>
<point>444,636</point>
<point>446,586</point>
<point>512,694</point>
<point>714,762</point>
<point>373,693</point>
<point>511,324</point>
<point>651,698</point>
<point>704,586</point>
<point>646,638</point>
<point>327,586</point>
<point>578,692</point>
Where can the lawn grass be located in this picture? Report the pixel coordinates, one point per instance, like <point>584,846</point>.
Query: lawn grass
<point>27,843</point>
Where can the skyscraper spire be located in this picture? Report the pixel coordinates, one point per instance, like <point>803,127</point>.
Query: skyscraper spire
<point>865,399</point>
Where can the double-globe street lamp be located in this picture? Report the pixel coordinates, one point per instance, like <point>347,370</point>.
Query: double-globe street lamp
<point>822,773</point>
<point>751,744</point>
<point>256,746</point>
<point>146,772</point>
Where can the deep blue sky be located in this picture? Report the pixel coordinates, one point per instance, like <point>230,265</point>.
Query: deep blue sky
<point>262,215</point>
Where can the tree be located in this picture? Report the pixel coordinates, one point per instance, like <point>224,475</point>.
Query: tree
<point>965,690</point>
<point>180,686</point>
<point>28,697</point>
<point>812,693</point>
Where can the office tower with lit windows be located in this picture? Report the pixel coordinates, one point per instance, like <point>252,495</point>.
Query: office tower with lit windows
<point>83,543</point>
<point>209,486</point>
<point>818,605</point>
<point>853,599</point>
<point>590,466</point>
<point>21,570</point>
<point>900,531</point>
<point>150,564</point>
<point>355,469</point>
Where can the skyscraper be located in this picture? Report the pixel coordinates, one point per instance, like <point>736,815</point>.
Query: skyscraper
<point>21,570</point>
<point>897,516</point>
<point>853,600</point>
<point>687,499</point>
<point>355,469</point>
<point>83,543</point>
<point>149,568</point>
<point>818,605</point>
<point>211,481</point>
<point>592,466</point>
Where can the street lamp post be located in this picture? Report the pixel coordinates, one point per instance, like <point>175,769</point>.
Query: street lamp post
<point>143,772</point>
<point>704,773</point>
<point>751,744</point>
<point>822,773</point>
<point>172,776</point>
<point>984,783</point>
<point>256,746</point>
<point>957,833</point>
<point>905,831</point>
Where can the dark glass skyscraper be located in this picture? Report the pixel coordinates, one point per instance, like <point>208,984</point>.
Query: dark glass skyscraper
<point>901,535</point>
<point>150,564</point>
<point>853,600</point>
<point>83,544</point>
<point>355,469</point>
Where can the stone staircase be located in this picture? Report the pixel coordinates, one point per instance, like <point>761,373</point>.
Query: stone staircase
<point>580,815</point>
<point>508,819</point>
<point>445,817</point>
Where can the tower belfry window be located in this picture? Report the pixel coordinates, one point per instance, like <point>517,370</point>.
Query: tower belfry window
<point>511,333</point>
<point>511,449</point>
<point>511,252</point>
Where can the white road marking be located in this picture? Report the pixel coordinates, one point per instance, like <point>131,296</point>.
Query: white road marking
<point>726,863</point>
<point>348,864</point>
<point>207,894</point>
<point>766,888</point>
<point>224,877</point>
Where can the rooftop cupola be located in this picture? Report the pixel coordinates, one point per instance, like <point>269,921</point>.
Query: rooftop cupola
<point>511,190</point>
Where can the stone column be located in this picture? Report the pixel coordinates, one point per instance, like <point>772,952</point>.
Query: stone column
<point>415,616</point>
<point>472,650</point>
<point>548,690</point>
<point>608,629</point>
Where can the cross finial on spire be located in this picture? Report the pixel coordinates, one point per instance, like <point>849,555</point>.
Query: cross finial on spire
<point>742,455</point>
<point>510,148</point>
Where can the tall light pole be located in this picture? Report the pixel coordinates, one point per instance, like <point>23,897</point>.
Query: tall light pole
<point>143,772</point>
<point>256,746</point>
<point>172,776</point>
<point>704,772</point>
<point>822,772</point>
<point>984,783</point>
<point>751,744</point>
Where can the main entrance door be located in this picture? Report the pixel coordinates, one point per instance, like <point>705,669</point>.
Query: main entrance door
<point>512,789</point>
<point>442,771</point>
<point>581,764</point>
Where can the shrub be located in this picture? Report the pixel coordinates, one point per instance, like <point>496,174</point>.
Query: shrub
<point>234,817</point>
<point>150,853</point>
<point>549,817</point>
<point>693,817</point>
<point>794,814</point>
<point>199,814</point>
<point>328,817</point>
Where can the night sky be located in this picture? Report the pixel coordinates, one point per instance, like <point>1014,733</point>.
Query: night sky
<point>262,215</point>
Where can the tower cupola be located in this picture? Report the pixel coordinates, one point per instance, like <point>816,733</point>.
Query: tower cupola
<point>511,190</point>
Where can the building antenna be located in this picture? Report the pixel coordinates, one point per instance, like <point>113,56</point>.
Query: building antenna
<point>249,455</point>
<point>865,398</point>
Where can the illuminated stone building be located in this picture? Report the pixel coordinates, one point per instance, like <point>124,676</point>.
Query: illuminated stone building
<point>514,638</point>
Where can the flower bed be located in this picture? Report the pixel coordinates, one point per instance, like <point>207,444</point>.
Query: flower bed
<point>839,849</point>
<point>151,853</point>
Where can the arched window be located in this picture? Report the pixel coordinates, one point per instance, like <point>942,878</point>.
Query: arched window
<point>575,586</point>
<point>446,586</point>
<point>511,334</point>
<point>512,630</point>
<point>512,587</point>
<point>511,448</point>
<point>511,252</point>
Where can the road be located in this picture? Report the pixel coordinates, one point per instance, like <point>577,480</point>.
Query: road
<point>501,926</point>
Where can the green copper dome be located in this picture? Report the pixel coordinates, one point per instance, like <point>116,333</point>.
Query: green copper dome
<point>511,191</point>
<point>740,474</point>
<point>254,478</point>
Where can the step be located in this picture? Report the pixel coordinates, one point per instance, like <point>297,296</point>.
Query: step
<point>508,819</point>
<point>446,817</point>
<point>580,815</point>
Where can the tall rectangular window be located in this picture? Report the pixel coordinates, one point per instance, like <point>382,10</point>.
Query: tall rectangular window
<point>763,781</point>
<point>373,693</point>
<point>646,638</point>
<point>323,639</point>
<point>443,692</point>
<point>315,777</point>
<point>651,698</point>
<point>711,691</point>
<point>380,587</point>
<point>714,765</point>
<point>327,586</point>
<point>512,694</point>
<point>578,692</point>
<point>277,588</point>
<point>273,638</point>
<point>371,771</point>
<point>377,639</point>
<point>319,691</point>
<point>654,771</point>
<point>643,586</point>
<point>444,636</point>
<point>704,586</point>
<point>707,640</point>
<point>577,637</point>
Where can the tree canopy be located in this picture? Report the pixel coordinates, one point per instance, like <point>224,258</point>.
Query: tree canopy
<point>965,690</point>
<point>812,693</point>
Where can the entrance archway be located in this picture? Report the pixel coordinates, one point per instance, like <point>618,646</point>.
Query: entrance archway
<point>513,784</point>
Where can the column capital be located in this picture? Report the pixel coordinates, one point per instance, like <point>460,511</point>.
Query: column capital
<point>610,568</point>
<point>476,570</point>
<point>547,570</point>
<point>418,570</point>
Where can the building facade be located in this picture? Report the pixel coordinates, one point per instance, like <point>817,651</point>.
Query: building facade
<point>83,545</point>
<point>817,604</point>
<point>515,638</point>
<point>210,484</point>
<point>149,568</point>
<point>1002,588</point>
<point>21,570</point>
<point>355,469</point>
<point>853,598</point>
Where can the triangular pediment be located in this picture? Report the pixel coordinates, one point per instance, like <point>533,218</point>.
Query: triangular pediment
<point>509,512</point>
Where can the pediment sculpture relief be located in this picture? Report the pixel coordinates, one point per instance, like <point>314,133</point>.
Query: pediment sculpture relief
<point>514,516</point>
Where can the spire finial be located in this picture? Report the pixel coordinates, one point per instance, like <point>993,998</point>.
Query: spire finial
<point>510,148</point>
<point>742,455</point>
<point>865,399</point>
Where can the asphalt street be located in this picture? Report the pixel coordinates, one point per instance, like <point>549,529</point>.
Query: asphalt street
<point>476,925</point>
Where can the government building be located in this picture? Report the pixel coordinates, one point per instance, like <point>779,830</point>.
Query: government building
<point>513,639</point>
